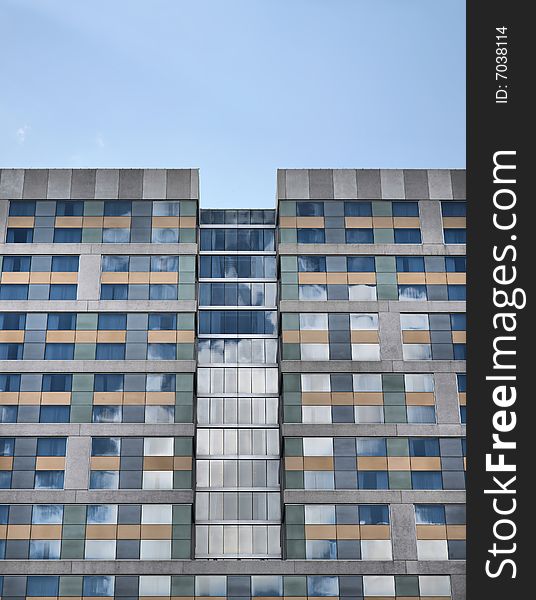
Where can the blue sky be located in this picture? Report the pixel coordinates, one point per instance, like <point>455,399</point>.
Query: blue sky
<point>237,88</point>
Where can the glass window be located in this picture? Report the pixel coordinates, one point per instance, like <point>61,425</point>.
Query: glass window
<point>116,264</point>
<point>59,351</point>
<point>358,209</point>
<point>407,236</point>
<point>69,208</point>
<point>50,480</point>
<point>359,236</point>
<point>42,585</point>
<point>410,264</point>
<point>405,209</point>
<point>47,514</point>
<point>112,321</point>
<point>310,209</point>
<point>51,446</point>
<point>117,208</point>
<point>108,382</point>
<point>455,236</point>
<point>54,414</point>
<point>14,292</point>
<point>311,235</point>
<point>315,264</point>
<point>67,235</point>
<point>98,585</point>
<point>105,446</point>
<point>16,264</point>
<point>62,292</point>
<point>23,208</point>
<point>454,209</point>
<point>361,264</point>
<point>61,321</point>
<point>162,321</point>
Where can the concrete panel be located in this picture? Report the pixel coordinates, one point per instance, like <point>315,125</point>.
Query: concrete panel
<point>458,587</point>
<point>416,184</point>
<point>392,182</point>
<point>77,463</point>
<point>154,184</point>
<point>83,184</point>
<point>439,184</point>
<point>457,178</point>
<point>320,184</point>
<point>390,336</point>
<point>194,184</point>
<point>89,277</point>
<point>369,184</point>
<point>130,184</point>
<point>35,184</point>
<point>179,184</point>
<point>297,184</point>
<point>11,183</point>
<point>431,222</point>
<point>344,184</point>
<point>107,184</point>
<point>4,212</point>
<point>59,184</point>
<point>446,392</point>
<point>403,532</point>
<point>281,184</point>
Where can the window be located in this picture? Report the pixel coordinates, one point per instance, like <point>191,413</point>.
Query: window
<point>19,235</point>
<point>67,235</point>
<point>310,209</point>
<point>359,236</point>
<point>23,208</point>
<point>407,236</point>
<point>69,208</point>
<point>358,209</point>
<point>405,209</point>
<point>65,264</point>
<point>454,209</point>
<point>311,235</point>
<point>117,208</point>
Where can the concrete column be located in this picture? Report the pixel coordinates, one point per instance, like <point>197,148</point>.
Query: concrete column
<point>403,532</point>
<point>89,277</point>
<point>431,222</point>
<point>446,394</point>
<point>390,336</point>
<point>77,463</point>
<point>4,210</point>
<point>458,587</point>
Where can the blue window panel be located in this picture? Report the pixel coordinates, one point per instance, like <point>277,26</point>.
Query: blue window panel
<point>161,291</point>
<point>167,264</point>
<point>107,414</point>
<point>405,209</point>
<point>460,351</point>
<point>5,480</point>
<point>373,480</point>
<point>98,585</point>
<point>455,236</point>
<point>49,480</point>
<point>421,414</point>
<point>161,351</point>
<point>373,514</point>
<point>162,321</point>
<point>12,321</point>
<point>63,291</point>
<point>426,480</point>
<point>454,209</point>
<point>9,382</point>
<point>456,264</point>
<point>108,382</point>
<point>54,414</point>
<point>112,321</point>
<point>42,585</point>
<point>8,414</point>
<point>6,446</point>
<point>359,236</point>
<point>311,235</point>
<point>110,352</point>
<point>115,264</point>
<point>322,585</point>
<point>59,351</point>
<point>16,264</point>
<point>67,235</point>
<point>462,382</point>
<point>407,236</point>
<point>423,447</point>
<point>51,446</point>
<point>69,208</point>
<point>15,291</point>
<point>117,208</point>
<point>321,549</point>
<point>430,514</point>
<point>19,235</point>
<point>412,292</point>
<point>65,264</point>
<point>371,447</point>
<point>103,480</point>
<point>361,264</point>
<point>458,321</point>
<point>312,264</point>
<point>358,209</point>
<point>11,351</point>
<point>105,446</point>
<point>56,382</point>
<point>4,514</point>
<point>61,321</point>
<point>160,382</point>
<point>24,208</point>
<point>463,414</point>
<point>410,264</point>
<point>310,209</point>
<point>457,292</point>
<point>44,549</point>
<point>114,291</point>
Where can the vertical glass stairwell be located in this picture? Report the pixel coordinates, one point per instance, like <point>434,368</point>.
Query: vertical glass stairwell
<point>238,496</point>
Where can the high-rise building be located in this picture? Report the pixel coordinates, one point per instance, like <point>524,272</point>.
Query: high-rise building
<point>205,404</point>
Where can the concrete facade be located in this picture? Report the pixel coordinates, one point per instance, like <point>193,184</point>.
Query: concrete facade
<point>143,187</point>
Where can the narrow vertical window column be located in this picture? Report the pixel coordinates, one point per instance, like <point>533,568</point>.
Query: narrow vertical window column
<point>238,503</point>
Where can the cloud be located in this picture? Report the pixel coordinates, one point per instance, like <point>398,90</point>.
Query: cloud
<point>22,133</point>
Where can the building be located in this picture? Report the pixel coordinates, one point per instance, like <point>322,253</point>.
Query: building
<point>232,403</point>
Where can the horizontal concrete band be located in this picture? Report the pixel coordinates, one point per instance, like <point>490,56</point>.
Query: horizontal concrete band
<point>98,249</point>
<point>355,366</point>
<point>96,496</point>
<point>98,429</point>
<point>231,567</point>
<point>134,306</point>
<point>99,366</point>
<point>375,249</point>
<point>379,306</point>
<point>373,496</point>
<point>371,429</point>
